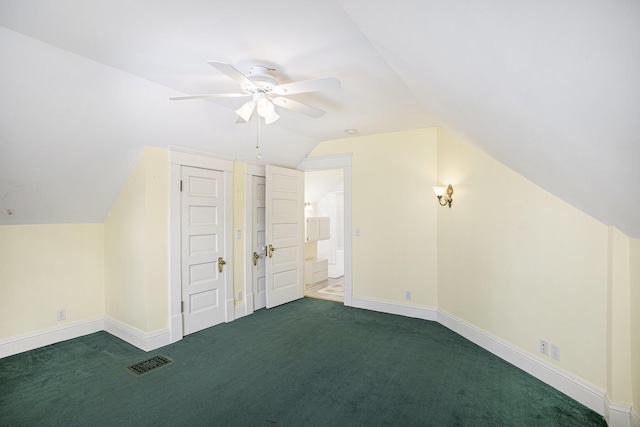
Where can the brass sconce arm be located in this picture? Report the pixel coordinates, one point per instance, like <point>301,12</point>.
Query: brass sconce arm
<point>444,195</point>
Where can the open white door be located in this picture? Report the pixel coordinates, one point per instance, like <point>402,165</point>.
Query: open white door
<point>258,238</point>
<point>285,235</point>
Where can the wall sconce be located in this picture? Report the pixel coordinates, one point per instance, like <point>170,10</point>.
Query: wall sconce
<point>444,194</point>
<point>308,207</point>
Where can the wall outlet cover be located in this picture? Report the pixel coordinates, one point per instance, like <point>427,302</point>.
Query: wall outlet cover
<point>544,347</point>
<point>62,315</point>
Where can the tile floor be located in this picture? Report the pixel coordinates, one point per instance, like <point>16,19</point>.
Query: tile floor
<point>311,291</point>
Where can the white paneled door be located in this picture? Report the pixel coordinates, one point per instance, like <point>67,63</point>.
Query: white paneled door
<point>204,272</point>
<point>259,279</point>
<point>284,235</point>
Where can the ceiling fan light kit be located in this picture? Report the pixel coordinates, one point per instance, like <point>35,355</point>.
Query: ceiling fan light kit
<point>246,111</point>
<point>266,110</point>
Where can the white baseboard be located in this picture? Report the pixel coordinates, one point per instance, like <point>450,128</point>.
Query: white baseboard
<point>230,310</point>
<point>241,311</point>
<point>617,414</point>
<point>136,337</point>
<point>635,418</point>
<point>416,311</point>
<point>33,340</point>
<point>176,328</point>
<point>587,394</point>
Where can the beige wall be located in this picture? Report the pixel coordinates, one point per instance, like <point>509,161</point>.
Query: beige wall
<point>520,263</point>
<point>508,257</point>
<point>393,205</point>
<point>137,246</point>
<point>634,249</point>
<point>238,224</point>
<point>44,268</point>
<point>618,318</point>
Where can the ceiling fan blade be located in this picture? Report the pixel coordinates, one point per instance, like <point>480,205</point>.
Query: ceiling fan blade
<point>210,95</point>
<point>298,107</point>
<point>233,72</point>
<point>313,85</point>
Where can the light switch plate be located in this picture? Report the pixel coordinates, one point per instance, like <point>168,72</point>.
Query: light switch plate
<point>555,352</point>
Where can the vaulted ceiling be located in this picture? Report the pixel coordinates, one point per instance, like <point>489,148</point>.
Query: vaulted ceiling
<point>550,89</point>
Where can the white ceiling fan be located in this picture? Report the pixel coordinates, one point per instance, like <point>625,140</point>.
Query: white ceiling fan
<point>266,92</point>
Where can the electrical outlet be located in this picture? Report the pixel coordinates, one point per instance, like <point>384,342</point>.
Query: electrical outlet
<point>555,352</point>
<point>544,347</point>
<point>62,314</point>
<point>239,295</point>
<point>407,295</point>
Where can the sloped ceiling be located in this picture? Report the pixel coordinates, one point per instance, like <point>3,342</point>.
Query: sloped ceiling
<point>550,89</point>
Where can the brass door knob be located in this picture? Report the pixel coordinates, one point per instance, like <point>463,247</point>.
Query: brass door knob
<point>255,258</point>
<point>271,249</point>
<point>221,262</point>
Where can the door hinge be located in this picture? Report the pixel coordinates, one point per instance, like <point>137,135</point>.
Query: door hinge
<point>180,185</point>
<point>182,306</point>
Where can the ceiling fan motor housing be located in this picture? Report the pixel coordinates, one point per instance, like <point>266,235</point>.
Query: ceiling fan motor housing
<point>260,76</point>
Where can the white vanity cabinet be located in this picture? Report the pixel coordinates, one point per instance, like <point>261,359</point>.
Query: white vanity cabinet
<point>316,270</point>
<point>318,228</point>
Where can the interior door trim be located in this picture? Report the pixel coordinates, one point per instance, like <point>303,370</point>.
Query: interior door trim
<point>339,161</point>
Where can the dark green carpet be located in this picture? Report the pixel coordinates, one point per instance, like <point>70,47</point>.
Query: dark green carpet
<point>306,363</point>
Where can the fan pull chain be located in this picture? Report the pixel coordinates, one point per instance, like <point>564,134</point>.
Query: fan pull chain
<point>258,155</point>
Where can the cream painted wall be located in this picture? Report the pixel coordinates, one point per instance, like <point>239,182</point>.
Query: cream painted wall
<point>618,318</point>
<point>44,268</point>
<point>395,210</point>
<point>634,249</point>
<point>520,263</point>
<point>137,246</point>
<point>125,268</point>
<point>238,224</point>
<point>157,237</point>
<point>509,257</point>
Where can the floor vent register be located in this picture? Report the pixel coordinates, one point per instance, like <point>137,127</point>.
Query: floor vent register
<point>145,366</point>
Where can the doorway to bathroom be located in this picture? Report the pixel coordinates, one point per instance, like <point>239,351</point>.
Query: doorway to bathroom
<point>325,234</point>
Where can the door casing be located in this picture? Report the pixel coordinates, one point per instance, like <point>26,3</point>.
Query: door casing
<point>339,161</point>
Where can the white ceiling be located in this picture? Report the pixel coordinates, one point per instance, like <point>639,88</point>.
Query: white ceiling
<point>549,88</point>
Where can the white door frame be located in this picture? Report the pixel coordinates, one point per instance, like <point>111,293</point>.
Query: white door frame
<point>179,157</point>
<point>339,161</point>
<point>250,169</point>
